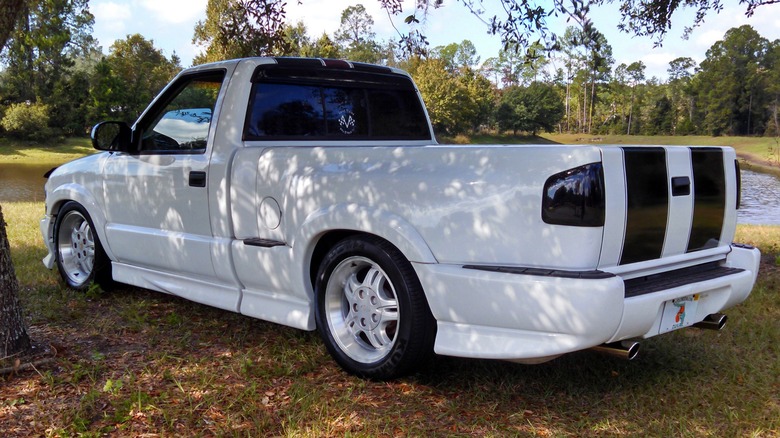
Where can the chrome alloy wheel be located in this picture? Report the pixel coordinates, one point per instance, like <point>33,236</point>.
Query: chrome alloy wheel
<point>361,309</point>
<point>76,247</point>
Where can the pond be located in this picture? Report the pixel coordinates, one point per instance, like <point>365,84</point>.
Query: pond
<point>760,199</point>
<point>22,182</point>
<point>760,192</point>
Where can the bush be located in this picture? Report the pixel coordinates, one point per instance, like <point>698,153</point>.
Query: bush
<point>27,121</point>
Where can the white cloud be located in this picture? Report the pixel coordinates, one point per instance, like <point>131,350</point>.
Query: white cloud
<point>175,11</point>
<point>657,63</point>
<point>110,11</point>
<point>110,21</point>
<point>325,15</point>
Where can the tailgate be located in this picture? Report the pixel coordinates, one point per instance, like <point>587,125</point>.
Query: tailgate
<point>667,207</point>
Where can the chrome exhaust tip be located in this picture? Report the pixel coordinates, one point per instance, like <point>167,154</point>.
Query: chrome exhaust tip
<point>715,321</point>
<point>627,350</point>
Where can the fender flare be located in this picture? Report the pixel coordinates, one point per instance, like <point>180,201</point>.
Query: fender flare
<point>358,218</point>
<point>364,219</point>
<point>78,193</point>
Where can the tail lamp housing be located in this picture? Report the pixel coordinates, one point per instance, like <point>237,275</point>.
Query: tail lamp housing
<point>575,197</point>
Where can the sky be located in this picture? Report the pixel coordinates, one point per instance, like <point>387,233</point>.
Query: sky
<point>170,24</point>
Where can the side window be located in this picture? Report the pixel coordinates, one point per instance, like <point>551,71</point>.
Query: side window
<point>288,111</point>
<point>181,123</point>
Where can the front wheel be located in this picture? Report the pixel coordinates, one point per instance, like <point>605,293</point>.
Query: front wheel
<point>371,310</point>
<point>80,257</point>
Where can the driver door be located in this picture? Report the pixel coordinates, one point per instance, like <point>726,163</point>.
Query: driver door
<point>157,199</point>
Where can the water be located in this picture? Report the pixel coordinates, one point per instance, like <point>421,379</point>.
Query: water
<point>760,192</point>
<point>22,182</point>
<point>760,199</point>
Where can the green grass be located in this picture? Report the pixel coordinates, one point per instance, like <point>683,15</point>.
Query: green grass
<point>133,362</point>
<point>12,151</point>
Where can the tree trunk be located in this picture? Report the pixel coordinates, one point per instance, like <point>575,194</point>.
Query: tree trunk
<point>592,100</point>
<point>9,10</point>
<point>13,331</point>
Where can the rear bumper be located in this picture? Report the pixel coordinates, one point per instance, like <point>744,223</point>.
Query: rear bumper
<point>516,316</point>
<point>642,314</point>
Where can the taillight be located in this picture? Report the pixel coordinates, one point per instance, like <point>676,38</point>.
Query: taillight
<point>575,197</point>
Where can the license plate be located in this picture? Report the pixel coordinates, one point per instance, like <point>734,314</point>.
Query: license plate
<point>679,313</point>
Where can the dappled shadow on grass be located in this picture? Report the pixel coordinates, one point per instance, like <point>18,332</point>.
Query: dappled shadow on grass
<point>70,146</point>
<point>134,361</point>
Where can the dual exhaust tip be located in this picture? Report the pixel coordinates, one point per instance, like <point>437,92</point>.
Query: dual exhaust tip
<point>628,350</point>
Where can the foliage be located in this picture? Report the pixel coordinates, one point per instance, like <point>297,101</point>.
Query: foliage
<point>735,90</point>
<point>730,83</point>
<point>27,121</point>
<point>457,101</point>
<point>129,78</point>
<point>240,28</point>
<point>39,51</point>
<point>530,109</point>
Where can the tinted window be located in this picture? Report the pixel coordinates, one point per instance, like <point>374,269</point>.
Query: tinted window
<point>297,111</point>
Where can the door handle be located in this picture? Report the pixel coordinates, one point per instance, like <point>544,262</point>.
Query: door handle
<point>681,186</point>
<point>197,179</point>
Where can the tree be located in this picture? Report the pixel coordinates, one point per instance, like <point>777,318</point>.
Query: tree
<point>457,56</point>
<point>457,101</point>
<point>731,76</point>
<point>325,47</point>
<point>444,97</point>
<point>355,35</point>
<point>240,28</point>
<point>297,41</point>
<point>636,74</point>
<point>681,94</point>
<point>130,77</point>
<point>253,27</point>
<point>525,21</point>
<point>773,90</point>
<point>42,45</point>
<point>47,38</point>
<point>14,339</point>
<point>531,109</point>
<point>9,11</point>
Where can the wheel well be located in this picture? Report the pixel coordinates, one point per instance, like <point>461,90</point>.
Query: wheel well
<point>325,243</point>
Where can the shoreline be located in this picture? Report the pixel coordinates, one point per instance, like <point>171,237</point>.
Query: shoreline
<point>76,147</point>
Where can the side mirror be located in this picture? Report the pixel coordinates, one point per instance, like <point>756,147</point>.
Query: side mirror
<point>111,136</point>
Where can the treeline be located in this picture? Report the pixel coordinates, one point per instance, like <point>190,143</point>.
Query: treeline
<point>57,82</point>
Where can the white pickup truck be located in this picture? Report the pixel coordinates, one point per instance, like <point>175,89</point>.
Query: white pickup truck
<point>312,193</point>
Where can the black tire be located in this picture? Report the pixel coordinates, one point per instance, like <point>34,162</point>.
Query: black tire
<point>80,257</point>
<point>371,311</point>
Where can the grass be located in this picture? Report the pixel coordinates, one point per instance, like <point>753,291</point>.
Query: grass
<point>16,152</point>
<point>132,362</point>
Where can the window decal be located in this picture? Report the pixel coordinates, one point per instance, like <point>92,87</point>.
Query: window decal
<point>347,123</point>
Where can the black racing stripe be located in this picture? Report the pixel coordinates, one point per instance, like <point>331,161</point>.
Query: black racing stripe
<point>709,207</point>
<point>648,204</point>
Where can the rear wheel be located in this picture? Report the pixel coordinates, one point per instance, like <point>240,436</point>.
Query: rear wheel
<point>371,310</point>
<point>80,257</point>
